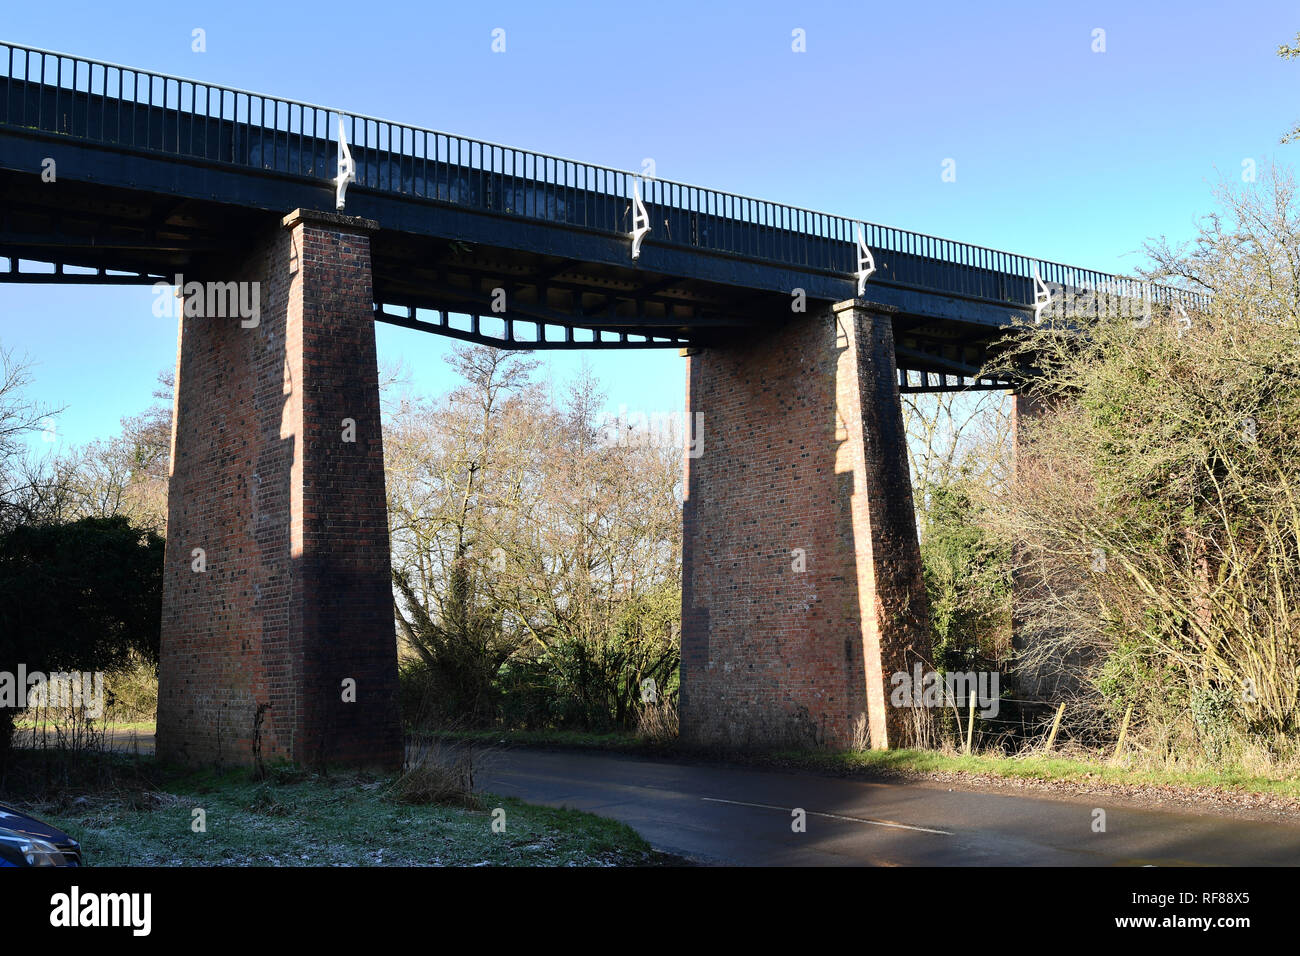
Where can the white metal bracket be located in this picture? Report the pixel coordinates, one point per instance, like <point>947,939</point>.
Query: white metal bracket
<point>347,169</point>
<point>866,263</point>
<point>640,221</point>
<point>1042,296</point>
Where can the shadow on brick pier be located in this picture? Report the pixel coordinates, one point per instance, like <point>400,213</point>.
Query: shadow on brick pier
<point>802,589</point>
<point>278,637</point>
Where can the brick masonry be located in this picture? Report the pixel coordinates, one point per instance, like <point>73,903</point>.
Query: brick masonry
<point>803,448</point>
<point>1025,408</point>
<point>296,596</point>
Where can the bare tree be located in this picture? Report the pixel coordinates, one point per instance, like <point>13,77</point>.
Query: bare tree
<point>957,435</point>
<point>522,519</point>
<point>19,416</point>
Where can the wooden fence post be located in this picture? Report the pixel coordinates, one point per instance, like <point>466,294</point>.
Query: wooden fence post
<point>1056,724</point>
<point>1123,732</point>
<point>970,722</point>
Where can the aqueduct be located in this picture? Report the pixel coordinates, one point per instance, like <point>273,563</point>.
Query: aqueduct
<point>799,330</point>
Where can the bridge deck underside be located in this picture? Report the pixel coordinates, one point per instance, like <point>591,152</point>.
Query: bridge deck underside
<point>71,231</point>
<point>158,191</point>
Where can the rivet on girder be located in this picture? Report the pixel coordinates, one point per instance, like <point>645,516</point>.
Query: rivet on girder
<point>866,263</point>
<point>640,221</point>
<point>347,169</point>
<point>1042,296</point>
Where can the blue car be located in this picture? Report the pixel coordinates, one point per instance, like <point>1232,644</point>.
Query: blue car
<point>25,841</point>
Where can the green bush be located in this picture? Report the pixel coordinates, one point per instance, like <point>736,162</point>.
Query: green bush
<point>80,596</point>
<point>589,682</point>
<point>966,580</point>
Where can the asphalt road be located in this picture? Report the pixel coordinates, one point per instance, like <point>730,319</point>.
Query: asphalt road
<point>739,816</point>
<point>728,815</point>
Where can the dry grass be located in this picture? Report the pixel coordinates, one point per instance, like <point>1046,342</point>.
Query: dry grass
<point>658,723</point>
<point>436,774</point>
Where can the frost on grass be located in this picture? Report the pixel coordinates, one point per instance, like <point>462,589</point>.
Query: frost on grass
<point>334,821</point>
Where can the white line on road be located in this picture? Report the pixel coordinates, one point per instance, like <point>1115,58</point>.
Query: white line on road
<point>831,816</point>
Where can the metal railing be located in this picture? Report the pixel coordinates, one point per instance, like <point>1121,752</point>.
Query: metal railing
<point>136,109</point>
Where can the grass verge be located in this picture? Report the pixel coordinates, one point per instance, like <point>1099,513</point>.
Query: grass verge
<point>926,763</point>
<point>293,818</point>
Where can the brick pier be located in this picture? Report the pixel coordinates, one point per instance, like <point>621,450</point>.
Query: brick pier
<point>801,576</point>
<point>294,604</point>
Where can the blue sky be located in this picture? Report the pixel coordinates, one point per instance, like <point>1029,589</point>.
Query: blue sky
<point>1060,152</point>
